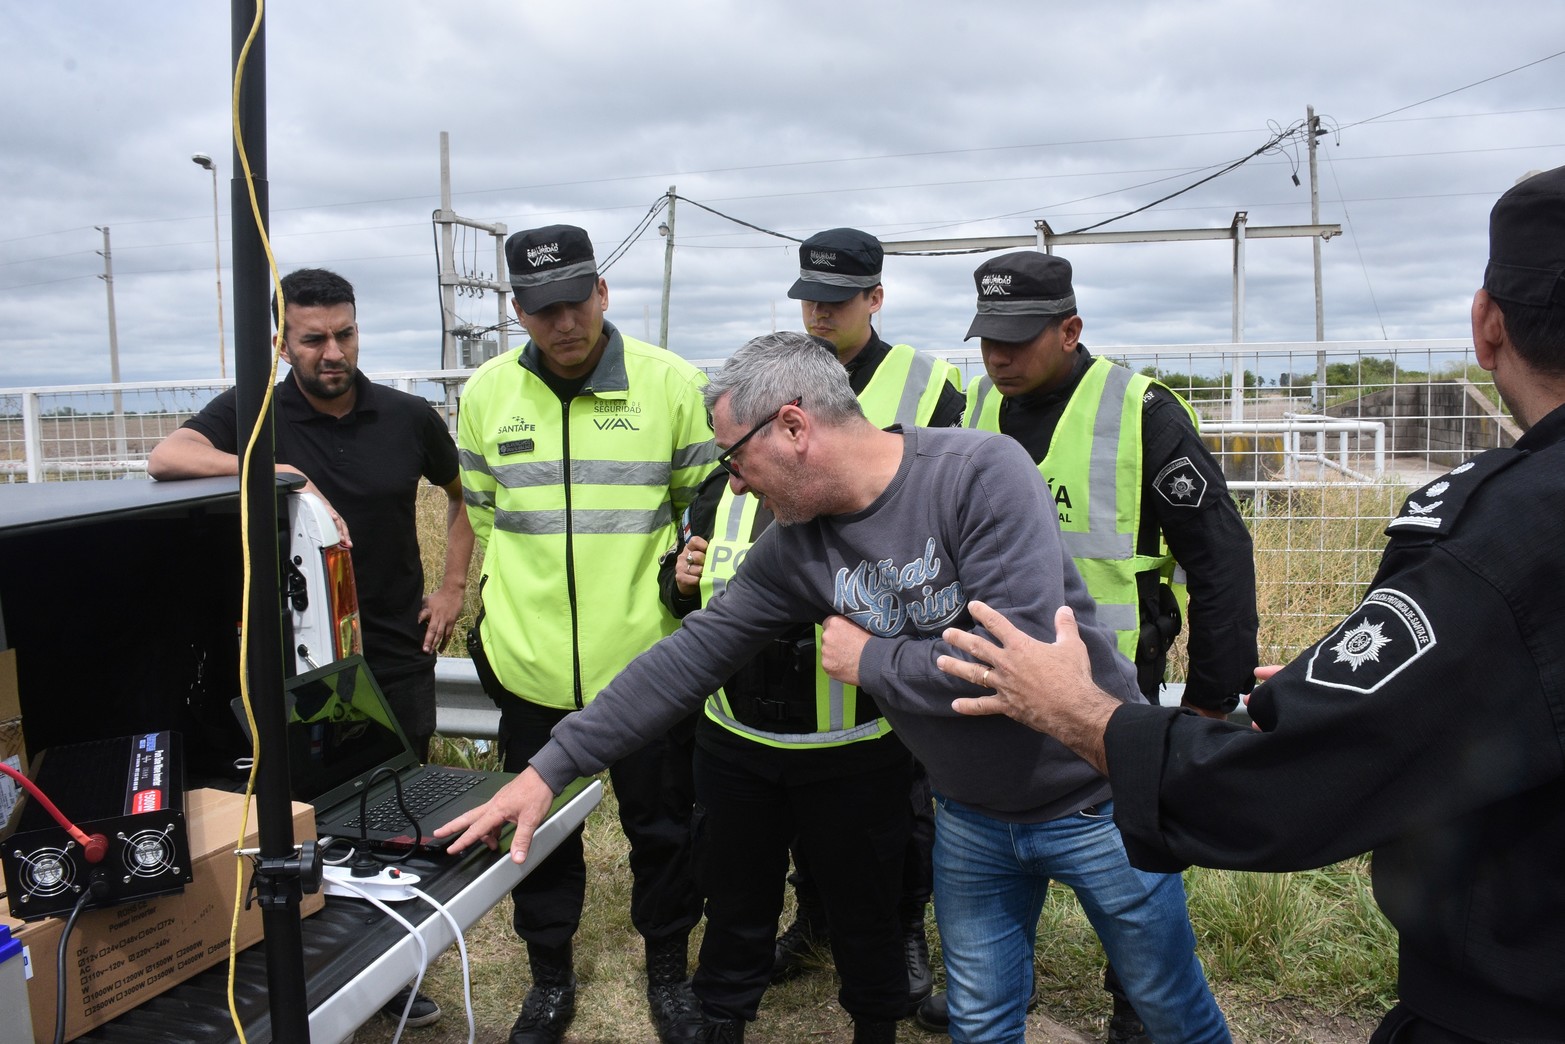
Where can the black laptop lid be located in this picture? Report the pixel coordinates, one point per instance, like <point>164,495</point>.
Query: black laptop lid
<point>340,730</point>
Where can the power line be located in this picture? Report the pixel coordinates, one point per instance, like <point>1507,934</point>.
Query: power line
<point>1456,90</point>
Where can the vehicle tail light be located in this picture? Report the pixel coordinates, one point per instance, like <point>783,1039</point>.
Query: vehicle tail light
<point>344,598</point>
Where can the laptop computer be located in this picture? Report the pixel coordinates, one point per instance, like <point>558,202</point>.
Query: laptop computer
<point>341,732</point>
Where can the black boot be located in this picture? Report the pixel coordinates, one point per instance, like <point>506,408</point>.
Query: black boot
<point>934,1016</point>
<point>874,1032</point>
<point>721,1031</point>
<point>799,946</point>
<point>551,1003</point>
<point>1125,1026</point>
<point>675,1012</point>
<point>915,950</point>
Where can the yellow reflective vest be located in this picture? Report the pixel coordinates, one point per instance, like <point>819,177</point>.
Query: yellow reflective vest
<point>1095,470</point>
<point>573,503</point>
<point>904,389</point>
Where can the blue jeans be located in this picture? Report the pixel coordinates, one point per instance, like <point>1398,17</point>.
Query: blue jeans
<point>990,881</point>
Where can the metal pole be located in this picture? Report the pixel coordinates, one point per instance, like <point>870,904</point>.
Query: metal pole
<point>120,449</point>
<point>253,348</point>
<point>668,269</point>
<point>448,359</point>
<point>1240,218</point>
<point>1313,129</point>
<point>217,268</point>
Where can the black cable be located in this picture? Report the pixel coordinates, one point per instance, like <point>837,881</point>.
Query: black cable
<point>59,965</point>
<point>402,804</point>
<point>641,226</point>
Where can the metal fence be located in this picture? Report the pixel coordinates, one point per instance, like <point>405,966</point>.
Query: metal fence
<point>1320,443</point>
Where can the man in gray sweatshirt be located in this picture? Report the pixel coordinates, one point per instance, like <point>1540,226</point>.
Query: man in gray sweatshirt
<point>885,536</point>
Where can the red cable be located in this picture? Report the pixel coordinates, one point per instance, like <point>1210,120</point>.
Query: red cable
<point>94,847</point>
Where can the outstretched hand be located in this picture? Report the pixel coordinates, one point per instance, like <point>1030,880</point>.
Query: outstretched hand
<point>1046,686</point>
<point>524,801</point>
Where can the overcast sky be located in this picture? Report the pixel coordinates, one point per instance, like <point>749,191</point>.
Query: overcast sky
<point>915,119</point>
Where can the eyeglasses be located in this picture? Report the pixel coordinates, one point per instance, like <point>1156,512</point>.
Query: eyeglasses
<point>726,458</point>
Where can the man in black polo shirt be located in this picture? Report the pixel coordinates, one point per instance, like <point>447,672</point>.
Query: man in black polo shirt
<point>363,448</point>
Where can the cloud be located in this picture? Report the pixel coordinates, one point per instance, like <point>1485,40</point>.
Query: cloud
<point>921,120</point>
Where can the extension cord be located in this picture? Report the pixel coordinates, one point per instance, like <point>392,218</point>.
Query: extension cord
<point>391,885</point>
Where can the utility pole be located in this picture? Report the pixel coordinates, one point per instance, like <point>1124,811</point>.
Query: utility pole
<point>120,450</point>
<point>1312,126</point>
<point>667,231</point>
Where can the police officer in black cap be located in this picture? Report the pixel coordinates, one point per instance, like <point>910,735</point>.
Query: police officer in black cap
<point>840,292</point>
<point>1428,726</point>
<point>1156,519</point>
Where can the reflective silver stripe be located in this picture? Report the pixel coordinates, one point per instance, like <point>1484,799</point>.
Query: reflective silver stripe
<point>649,473</point>
<point>732,535</point>
<point>588,521</point>
<point>550,275</point>
<point>1025,306</point>
<point>918,373</point>
<point>809,275</point>
<point>523,475</point>
<point>695,454</point>
<point>834,703</point>
<point>478,498</point>
<point>1102,473</point>
<point>1096,545</point>
<point>985,389</point>
<point>1119,617</point>
<point>793,739</point>
<point>470,461</point>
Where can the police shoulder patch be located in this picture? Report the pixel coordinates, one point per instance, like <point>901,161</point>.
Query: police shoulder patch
<point>1433,510</point>
<point>1181,483</point>
<point>1379,640</point>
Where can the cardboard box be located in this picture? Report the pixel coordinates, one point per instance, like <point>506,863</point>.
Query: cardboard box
<point>123,955</point>
<point>12,750</point>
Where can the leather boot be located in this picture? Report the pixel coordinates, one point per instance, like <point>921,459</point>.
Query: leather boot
<point>874,1032</point>
<point>915,951</point>
<point>1125,1025</point>
<point>551,1003</point>
<point>721,1031</point>
<point>676,1014</point>
<point>933,1014</point>
<point>799,945</point>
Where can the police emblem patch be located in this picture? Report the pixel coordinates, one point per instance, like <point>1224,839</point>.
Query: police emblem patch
<point>1378,640</point>
<point>1180,483</point>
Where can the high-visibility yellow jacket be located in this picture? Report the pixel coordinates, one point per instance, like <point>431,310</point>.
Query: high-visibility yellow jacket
<point>1097,448</point>
<point>573,503</point>
<point>904,389</point>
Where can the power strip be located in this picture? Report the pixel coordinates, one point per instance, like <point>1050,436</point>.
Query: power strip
<point>391,885</point>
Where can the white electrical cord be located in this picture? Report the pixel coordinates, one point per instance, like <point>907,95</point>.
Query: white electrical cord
<point>423,950</point>
<point>461,945</point>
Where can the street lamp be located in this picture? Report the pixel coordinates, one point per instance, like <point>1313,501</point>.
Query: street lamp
<point>201,159</point>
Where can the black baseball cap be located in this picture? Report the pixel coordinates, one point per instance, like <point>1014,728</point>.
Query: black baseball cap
<point>1527,242</point>
<point>549,265</point>
<point>837,265</point>
<point>1019,293</point>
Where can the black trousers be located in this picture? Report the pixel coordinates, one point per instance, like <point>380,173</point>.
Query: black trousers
<point>918,873</point>
<point>654,790</point>
<point>855,828</point>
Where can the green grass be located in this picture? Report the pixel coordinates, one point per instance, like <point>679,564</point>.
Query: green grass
<point>1291,957</point>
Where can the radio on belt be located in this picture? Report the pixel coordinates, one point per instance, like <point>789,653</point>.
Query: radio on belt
<point>131,790</point>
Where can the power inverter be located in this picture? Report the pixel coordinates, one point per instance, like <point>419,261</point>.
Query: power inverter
<point>130,791</point>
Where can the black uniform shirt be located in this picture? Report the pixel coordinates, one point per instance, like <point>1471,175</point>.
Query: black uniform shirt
<point>1204,532</point>
<point>1429,726</point>
<point>368,464</point>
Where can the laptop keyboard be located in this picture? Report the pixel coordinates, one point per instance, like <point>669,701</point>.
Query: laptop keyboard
<point>433,787</point>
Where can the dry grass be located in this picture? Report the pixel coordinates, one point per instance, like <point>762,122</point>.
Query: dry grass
<point>1291,957</point>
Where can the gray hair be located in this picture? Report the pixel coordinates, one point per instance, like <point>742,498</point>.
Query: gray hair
<point>776,368</point>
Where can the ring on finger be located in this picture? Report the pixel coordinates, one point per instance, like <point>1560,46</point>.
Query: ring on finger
<point>984,681</point>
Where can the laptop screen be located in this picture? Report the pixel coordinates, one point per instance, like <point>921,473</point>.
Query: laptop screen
<point>340,730</point>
